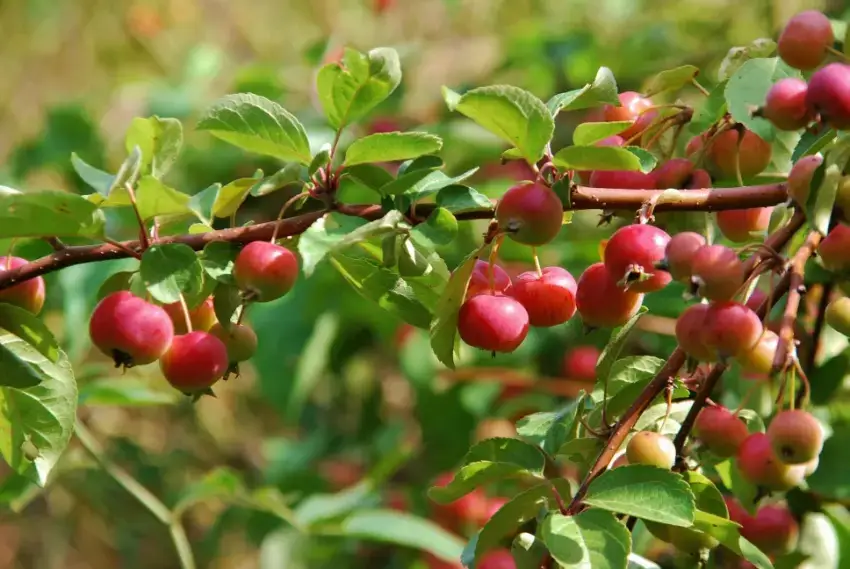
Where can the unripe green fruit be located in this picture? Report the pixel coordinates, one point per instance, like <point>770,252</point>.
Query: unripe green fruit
<point>240,341</point>
<point>530,213</point>
<point>652,449</point>
<point>760,358</point>
<point>795,436</point>
<point>838,315</point>
<point>800,177</point>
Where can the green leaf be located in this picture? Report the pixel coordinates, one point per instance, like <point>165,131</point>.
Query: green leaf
<point>49,213</point>
<point>29,328</point>
<point>401,528</point>
<point>349,91</point>
<point>670,80</point>
<point>259,125</point>
<point>125,393</point>
<point>443,330</point>
<point>160,141</point>
<point>512,114</point>
<point>312,363</point>
<point>591,539</point>
<point>99,180</point>
<point>170,270</point>
<point>581,450</point>
<point>320,160</point>
<point>458,199</point>
<point>391,146</point>
<point>744,491</point>
<point>821,202</point>
<point>156,199</point>
<point>747,89</point>
<point>812,142</point>
<point>217,260</point>
<point>488,461</point>
<point>647,160</point>
<point>528,551</point>
<point>114,283</point>
<point>829,479</point>
<point>16,371</point>
<point>421,183</point>
<point>712,110</point>
<point>645,492</point>
<point>603,90</point>
<point>230,197</point>
<point>588,133</point>
<point>628,371</point>
<point>829,376</point>
<point>738,56</point>
<point>41,416</point>
<point>128,174</point>
<point>201,205</point>
<point>226,301</point>
<point>729,535</point>
<point>440,228</point>
<point>596,158</point>
<point>612,351</point>
<point>289,174</point>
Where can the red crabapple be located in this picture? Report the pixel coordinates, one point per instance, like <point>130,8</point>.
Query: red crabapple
<point>496,559</point>
<point>530,213</point>
<point>471,507</point>
<point>700,180</point>
<point>795,436</point>
<point>800,177</point>
<point>622,179</point>
<point>580,363</point>
<point>632,254</point>
<point>772,529</point>
<point>838,315</point>
<point>28,294</point>
<point>202,316</point>
<point>130,330</point>
<point>654,449</point>
<point>738,225</point>
<point>720,431</point>
<point>718,272</point>
<point>737,512</point>
<point>674,173</point>
<point>725,152</point>
<point>479,282</point>
<point>601,303</point>
<point>785,104</point>
<point>240,341</point>
<point>493,322</point>
<point>829,95</point>
<point>689,330</point>
<point>549,298</point>
<point>756,298</point>
<point>759,465</point>
<point>266,271</point>
<point>759,359</point>
<point>679,254</point>
<point>194,362</point>
<point>834,250</point>
<point>804,41</point>
<point>695,145</point>
<point>632,108</point>
<point>731,329</point>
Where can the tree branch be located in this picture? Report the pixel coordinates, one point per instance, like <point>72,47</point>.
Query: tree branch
<point>817,330</point>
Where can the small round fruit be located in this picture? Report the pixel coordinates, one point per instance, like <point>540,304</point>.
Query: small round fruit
<point>650,448</point>
<point>731,329</point>
<point>496,559</point>
<point>549,298</point>
<point>800,177</point>
<point>471,507</point>
<point>759,465</point>
<point>622,180</point>
<point>493,322</point>
<point>202,316</point>
<point>795,436</point>
<point>601,303</point>
<point>632,254</point>
<point>130,330</point>
<point>757,297</point>
<point>760,359</point>
<point>580,363</point>
<point>718,272</point>
<point>829,95</point>
<point>737,512</point>
<point>753,153</point>
<point>834,250</point>
<point>689,330</point>
<point>804,41</point>
<point>695,145</point>
<point>28,294</point>
<point>194,362</point>
<point>720,431</point>
<point>633,107</point>
<point>674,173</point>
<point>700,180</point>
<point>479,282</point>
<point>739,225</point>
<point>265,270</point>
<point>785,104</point>
<point>680,252</point>
<point>772,529</point>
<point>240,341</point>
<point>531,214</point>
<point>838,315</point>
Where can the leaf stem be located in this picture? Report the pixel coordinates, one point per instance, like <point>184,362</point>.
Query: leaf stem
<point>494,253</point>
<point>699,87</point>
<point>143,232</point>
<point>282,211</point>
<point>184,308</point>
<point>837,53</point>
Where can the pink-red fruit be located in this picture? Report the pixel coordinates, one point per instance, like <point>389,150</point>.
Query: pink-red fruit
<point>800,177</point>
<point>240,341</point>
<point>731,329</point>
<point>760,358</point>
<point>804,41</point>
<point>601,303</point>
<point>689,329</point>
<point>28,294</point>
<point>580,363</point>
<point>549,298</point>
<point>785,104</point>
<point>674,173</point>
<point>632,108</point>
<point>717,271</point>
<point>496,559</point>
<point>650,448</point>
<point>834,250</point>
<point>759,465</point>
<point>680,252</point>
<point>829,95</point>
<point>632,254</point>
<point>726,154</point>
<point>795,436</point>
<point>622,179</point>
<point>740,225</point>
<point>531,214</point>
<point>772,529</point>
<point>130,330</point>
<point>265,271</point>
<point>479,282</point>
<point>194,362</point>
<point>202,316</point>
<point>720,431</point>
<point>496,323</point>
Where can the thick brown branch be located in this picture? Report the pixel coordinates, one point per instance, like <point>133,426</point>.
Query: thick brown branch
<point>712,199</point>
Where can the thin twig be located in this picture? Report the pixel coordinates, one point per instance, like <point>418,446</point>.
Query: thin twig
<point>55,243</point>
<point>143,232</point>
<point>817,329</point>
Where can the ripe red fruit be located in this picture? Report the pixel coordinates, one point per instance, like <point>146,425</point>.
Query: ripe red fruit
<point>580,363</point>
<point>717,271</point>
<point>654,449</point>
<point>785,104</point>
<point>265,270</point>
<point>829,95</point>
<point>772,529</point>
<point>632,253</point>
<point>531,214</point>
<point>497,323</point>
<point>838,315</point>
<point>738,225</point>
<point>496,559</point>
<point>795,436</point>
<point>601,303</point>
<point>615,140</point>
<point>756,298</point>
<point>549,299</point>
<point>753,153</point>
<point>679,254</point>
<point>632,108</point>
<point>760,466</point>
<point>760,359</point>
<point>695,145</point>
<point>731,329</point>
<point>194,362</point>
<point>28,294</point>
<point>130,330</point>
<point>720,431</point>
<point>700,180</point>
<point>689,330</point>
<point>737,512</point>
<point>471,507</point>
<point>240,341</point>
<point>805,39</point>
<point>674,173</point>
<point>800,177</point>
<point>202,316</point>
<point>834,250</point>
<point>622,179</point>
<point>479,282</point>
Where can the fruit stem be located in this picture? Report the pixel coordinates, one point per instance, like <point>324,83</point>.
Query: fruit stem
<point>738,175</point>
<point>802,399</point>
<point>745,398</point>
<point>536,262</point>
<point>242,311</point>
<point>185,309</point>
<point>699,87</point>
<point>494,252</point>
<point>282,211</point>
<point>837,53</point>
<point>143,232</point>
<point>792,386</point>
<point>9,255</point>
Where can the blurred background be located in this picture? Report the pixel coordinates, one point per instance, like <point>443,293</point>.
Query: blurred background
<point>341,393</point>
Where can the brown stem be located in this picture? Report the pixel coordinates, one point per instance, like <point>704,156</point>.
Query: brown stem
<point>55,243</point>
<point>143,232</point>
